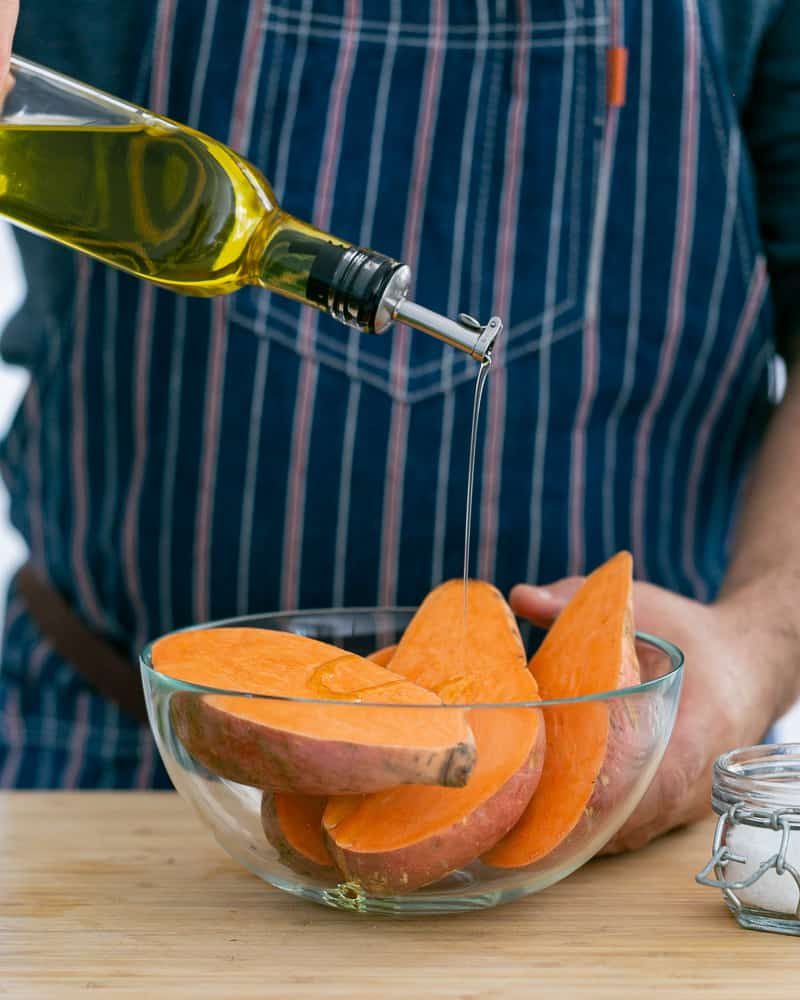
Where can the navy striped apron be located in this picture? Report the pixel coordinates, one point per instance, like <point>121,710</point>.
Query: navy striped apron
<point>177,460</point>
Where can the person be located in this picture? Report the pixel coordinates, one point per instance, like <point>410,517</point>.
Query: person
<point>636,223</point>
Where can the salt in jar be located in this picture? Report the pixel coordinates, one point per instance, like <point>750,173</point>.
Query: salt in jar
<point>756,851</point>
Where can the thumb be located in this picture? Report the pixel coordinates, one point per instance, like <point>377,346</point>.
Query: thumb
<point>9,10</point>
<point>541,605</point>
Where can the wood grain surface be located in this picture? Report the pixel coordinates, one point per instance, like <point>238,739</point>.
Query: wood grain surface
<point>125,894</point>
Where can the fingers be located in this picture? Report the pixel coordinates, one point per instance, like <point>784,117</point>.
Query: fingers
<point>9,9</point>
<point>541,605</point>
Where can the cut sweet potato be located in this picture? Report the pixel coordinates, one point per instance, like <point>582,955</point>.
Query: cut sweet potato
<point>398,840</point>
<point>293,825</point>
<point>383,657</point>
<point>589,649</point>
<point>315,748</point>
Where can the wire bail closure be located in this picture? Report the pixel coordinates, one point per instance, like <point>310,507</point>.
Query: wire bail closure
<point>785,820</point>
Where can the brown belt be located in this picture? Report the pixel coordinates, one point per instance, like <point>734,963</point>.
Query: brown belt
<point>95,659</point>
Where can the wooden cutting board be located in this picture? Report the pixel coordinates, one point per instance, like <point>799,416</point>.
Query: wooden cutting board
<point>127,895</point>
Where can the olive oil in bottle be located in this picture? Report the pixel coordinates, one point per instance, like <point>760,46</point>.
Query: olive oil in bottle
<point>180,209</point>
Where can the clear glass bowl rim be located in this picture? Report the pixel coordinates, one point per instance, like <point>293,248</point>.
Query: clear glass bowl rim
<point>669,649</point>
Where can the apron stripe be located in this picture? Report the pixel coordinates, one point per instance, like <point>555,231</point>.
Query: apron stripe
<point>13,612</point>
<point>454,292</point>
<point>147,760</point>
<point>379,124</point>
<point>165,23</point>
<point>77,743</point>
<point>332,147</point>
<point>33,421</point>
<point>255,430</point>
<point>250,480</point>
<point>174,406</point>
<point>171,465</point>
<point>203,58</point>
<point>591,347</point>
<point>249,71</point>
<point>755,300</point>
<point>610,543</point>
<point>478,263</point>
<point>677,436</point>
<point>398,430</point>
<point>201,603</point>
<point>293,90</point>
<point>86,596</point>
<point>130,533</point>
<point>728,471</point>
<point>243,104</point>
<point>551,284</point>
<point>345,485</point>
<point>110,506</point>
<point>80,474</point>
<point>42,650</point>
<point>111,735</point>
<point>684,236</point>
<point>512,173</point>
<point>379,135</point>
<point>144,332</point>
<point>13,738</point>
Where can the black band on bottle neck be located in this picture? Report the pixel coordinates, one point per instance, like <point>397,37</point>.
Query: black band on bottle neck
<point>349,283</point>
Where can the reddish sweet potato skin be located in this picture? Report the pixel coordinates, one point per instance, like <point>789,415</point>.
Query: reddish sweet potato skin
<point>628,740</point>
<point>289,856</point>
<point>403,870</point>
<point>255,754</point>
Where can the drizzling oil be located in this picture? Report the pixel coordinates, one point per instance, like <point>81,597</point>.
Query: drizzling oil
<point>480,382</point>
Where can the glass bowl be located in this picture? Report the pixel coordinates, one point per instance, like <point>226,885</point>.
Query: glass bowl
<point>644,715</point>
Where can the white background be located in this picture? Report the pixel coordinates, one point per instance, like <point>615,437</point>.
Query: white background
<point>12,385</point>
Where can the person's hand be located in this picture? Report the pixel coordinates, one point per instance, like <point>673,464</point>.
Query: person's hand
<point>728,699</point>
<point>9,10</point>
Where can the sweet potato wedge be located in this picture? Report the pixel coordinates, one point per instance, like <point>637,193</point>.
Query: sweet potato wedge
<point>589,649</point>
<point>403,838</point>
<point>383,657</point>
<point>318,747</point>
<point>293,825</point>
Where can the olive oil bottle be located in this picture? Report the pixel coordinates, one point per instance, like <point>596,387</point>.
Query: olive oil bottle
<point>180,209</point>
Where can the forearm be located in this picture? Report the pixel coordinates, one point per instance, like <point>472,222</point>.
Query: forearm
<point>761,587</point>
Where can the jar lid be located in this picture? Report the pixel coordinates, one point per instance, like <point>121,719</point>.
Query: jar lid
<point>762,781</point>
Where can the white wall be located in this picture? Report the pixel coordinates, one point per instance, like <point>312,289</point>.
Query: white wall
<point>12,385</point>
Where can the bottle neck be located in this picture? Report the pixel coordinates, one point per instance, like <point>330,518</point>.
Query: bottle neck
<point>358,287</point>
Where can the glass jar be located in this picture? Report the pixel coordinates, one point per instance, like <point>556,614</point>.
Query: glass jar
<point>756,852</point>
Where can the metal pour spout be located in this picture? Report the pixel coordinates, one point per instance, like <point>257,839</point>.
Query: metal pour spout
<point>465,333</point>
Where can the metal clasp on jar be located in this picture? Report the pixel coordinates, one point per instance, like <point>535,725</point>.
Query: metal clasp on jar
<point>785,820</point>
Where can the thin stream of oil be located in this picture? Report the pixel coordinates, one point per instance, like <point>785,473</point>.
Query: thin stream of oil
<point>454,690</point>
<point>480,382</point>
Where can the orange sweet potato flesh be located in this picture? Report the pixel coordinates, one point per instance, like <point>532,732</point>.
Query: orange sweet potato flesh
<point>316,749</point>
<point>403,838</point>
<point>589,649</point>
<point>293,825</point>
<point>383,657</point>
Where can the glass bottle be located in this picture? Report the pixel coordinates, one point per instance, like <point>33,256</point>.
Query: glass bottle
<point>175,207</point>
